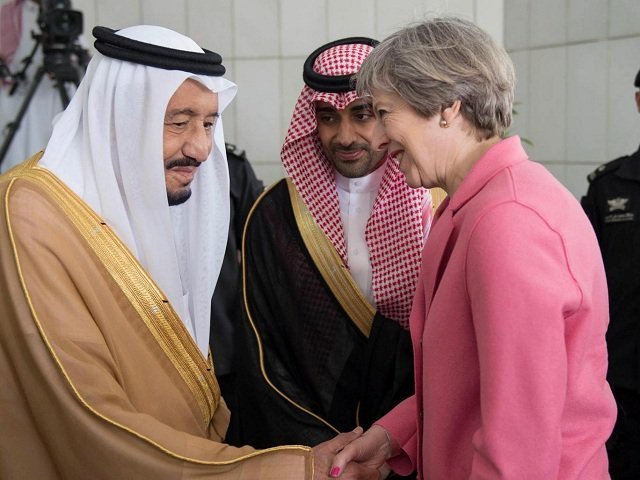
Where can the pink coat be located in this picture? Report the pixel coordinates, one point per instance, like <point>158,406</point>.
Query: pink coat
<point>508,327</point>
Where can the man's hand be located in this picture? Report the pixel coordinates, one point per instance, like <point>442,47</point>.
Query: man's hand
<point>324,454</point>
<point>368,451</point>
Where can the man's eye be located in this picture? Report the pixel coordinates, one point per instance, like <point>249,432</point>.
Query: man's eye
<point>325,118</point>
<point>209,125</point>
<point>180,124</point>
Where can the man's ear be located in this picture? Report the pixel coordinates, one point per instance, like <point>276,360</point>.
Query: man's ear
<point>638,100</point>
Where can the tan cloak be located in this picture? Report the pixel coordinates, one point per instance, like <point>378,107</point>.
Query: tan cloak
<point>100,379</point>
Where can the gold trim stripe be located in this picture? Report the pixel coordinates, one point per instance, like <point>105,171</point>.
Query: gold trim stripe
<point>288,448</point>
<point>333,270</point>
<point>437,197</point>
<point>255,329</point>
<point>146,298</point>
<point>16,173</point>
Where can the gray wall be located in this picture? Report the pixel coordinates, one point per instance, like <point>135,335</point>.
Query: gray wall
<point>575,61</point>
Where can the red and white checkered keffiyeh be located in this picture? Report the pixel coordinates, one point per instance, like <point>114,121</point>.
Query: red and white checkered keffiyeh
<point>10,29</point>
<point>395,232</point>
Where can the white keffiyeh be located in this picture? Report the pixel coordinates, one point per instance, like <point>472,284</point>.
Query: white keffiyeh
<point>107,147</point>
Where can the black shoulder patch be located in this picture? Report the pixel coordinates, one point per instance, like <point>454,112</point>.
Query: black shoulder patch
<point>605,168</point>
<point>232,150</point>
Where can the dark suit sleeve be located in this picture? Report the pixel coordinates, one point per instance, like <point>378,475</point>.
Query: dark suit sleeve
<point>245,188</point>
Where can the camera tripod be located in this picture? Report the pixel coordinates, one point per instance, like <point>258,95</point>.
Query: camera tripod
<point>58,65</point>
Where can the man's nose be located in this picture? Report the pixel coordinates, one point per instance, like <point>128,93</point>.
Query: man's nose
<point>346,134</point>
<point>198,144</point>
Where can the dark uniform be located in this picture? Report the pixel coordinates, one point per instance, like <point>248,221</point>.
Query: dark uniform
<point>226,304</point>
<point>612,204</point>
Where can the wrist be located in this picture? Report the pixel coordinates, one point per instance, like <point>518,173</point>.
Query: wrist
<point>392,448</point>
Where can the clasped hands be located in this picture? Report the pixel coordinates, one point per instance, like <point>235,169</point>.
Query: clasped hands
<point>353,455</point>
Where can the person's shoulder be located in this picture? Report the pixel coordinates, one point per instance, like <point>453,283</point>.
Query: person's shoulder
<point>30,206</point>
<point>607,168</point>
<point>235,154</point>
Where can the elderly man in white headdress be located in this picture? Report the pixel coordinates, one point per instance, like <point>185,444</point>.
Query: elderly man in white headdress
<point>106,288</point>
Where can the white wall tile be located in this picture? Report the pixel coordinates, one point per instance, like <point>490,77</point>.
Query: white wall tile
<point>351,18</point>
<point>209,23</point>
<point>587,20</point>
<point>489,15</point>
<point>88,9</point>
<point>396,14</point>
<point>461,8</point>
<point>165,13</point>
<point>516,24</point>
<point>624,17</point>
<point>118,14</point>
<point>624,121</point>
<point>522,104</point>
<point>230,129</point>
<point>547,98</point>
<point>587,103</point>
<point>229,115</point>
<point>258,108</point>
<point>304,26</point>
<point>269,173</point>
<point>576,179</point>
<point>256,28</point>
<point>557,170</point>
<point>547,22</point>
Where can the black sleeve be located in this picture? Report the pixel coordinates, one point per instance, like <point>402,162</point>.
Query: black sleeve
<point>245,188</point>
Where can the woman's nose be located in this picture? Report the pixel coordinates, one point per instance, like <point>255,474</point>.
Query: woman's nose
<point>380,141</point>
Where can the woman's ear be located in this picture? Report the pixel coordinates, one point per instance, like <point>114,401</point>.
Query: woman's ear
<point>449,114</point>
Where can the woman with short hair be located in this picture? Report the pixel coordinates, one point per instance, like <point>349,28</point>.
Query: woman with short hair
<point>510,314</point>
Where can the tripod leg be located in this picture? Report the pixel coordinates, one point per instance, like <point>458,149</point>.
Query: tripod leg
<point>64,95</point>
<point>15,125</point>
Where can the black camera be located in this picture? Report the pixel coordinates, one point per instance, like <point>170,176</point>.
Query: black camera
<point>64,59</point>
<point>60,27</point>
<point>58,22</point>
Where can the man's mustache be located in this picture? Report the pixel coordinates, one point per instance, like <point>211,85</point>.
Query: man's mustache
<point>351,148</point>
<point>182,162</point>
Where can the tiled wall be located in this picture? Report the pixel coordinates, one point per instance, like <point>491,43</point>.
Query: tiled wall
<point>576,61</point>
<point>265,42</point>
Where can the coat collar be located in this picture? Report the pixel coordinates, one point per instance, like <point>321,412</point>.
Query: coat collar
<point>503,154</point>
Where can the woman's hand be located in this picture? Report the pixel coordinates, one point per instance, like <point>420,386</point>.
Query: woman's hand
<point>324,454</point>
<point>368,451</point>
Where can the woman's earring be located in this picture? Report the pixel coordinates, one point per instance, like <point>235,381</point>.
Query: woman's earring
<point>443,123</point>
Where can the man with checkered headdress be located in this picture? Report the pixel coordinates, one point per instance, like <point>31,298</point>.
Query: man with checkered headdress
<point>108,260</point>
<point>330,257</point>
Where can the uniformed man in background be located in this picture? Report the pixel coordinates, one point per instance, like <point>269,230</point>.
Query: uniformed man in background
<point>613,206</point>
